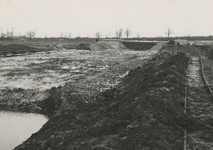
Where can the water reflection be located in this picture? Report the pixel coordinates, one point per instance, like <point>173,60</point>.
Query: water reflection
<point>18,127</point>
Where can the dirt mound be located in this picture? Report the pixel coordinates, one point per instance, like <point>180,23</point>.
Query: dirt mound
<point>171,42</point>
<point>83,46</point>
<point>139,45</point>
<point>145,111</point>
<point>158,46</point>
<point>106,45</point>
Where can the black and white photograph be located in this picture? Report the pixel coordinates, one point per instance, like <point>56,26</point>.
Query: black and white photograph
<point>106,74</point>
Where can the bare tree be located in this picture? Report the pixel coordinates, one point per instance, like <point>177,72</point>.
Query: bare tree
<point>1,33</point>
<point>34,32</point>
<point>188,36</point>
<point>168,33</point>
<point>98,35</point>
<point>116,34</point>
<point>127,32</point>
<point>138,35</point>
<point>119,33</point>
<point>9,34</point>
<point>31,34</point>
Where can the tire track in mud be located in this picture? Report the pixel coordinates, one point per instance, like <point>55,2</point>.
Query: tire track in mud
<point>199,106</point>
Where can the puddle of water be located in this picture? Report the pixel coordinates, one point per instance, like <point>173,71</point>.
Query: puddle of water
<point>15,127</point>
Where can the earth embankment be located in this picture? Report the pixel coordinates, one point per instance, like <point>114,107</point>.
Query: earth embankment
<point>139,45</point>
<point>28,82</point>
<point>83,46</point>
<point>103,45</point>
<point>144,111</point>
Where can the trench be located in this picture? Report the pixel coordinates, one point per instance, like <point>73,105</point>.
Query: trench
<point>16,127</point>
<point>199,107</point>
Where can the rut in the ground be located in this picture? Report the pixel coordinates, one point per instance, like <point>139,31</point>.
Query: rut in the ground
<point>200,107</point>
<point>194,73</point>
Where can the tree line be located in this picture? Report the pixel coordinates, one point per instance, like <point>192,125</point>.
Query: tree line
<point>119,33</point>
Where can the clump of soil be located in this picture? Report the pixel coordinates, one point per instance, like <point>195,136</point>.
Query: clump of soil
<point>171,42</point>
<point>145,111</point>
<point>84,46</point>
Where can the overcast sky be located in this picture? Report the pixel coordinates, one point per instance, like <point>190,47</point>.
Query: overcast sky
<point>86,17</point>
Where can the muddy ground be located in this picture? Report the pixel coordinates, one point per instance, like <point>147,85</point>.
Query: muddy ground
<point>28,80</point>
<point>144,111</point>
<point>111,100</point>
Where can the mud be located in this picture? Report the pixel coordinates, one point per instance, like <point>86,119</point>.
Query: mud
<point>26,81</point>
<point>199,106</point>
<point>120,100</point>
<point>143,111</point>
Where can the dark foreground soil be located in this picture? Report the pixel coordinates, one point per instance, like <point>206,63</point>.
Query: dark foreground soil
<point>145,111</point>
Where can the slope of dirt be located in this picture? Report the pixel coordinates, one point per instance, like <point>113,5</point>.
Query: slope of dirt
<point>103,45</point>
<point>139,45</point>
<point>158,46</point>
<point>84,46</point>
<point>144,111</point>
<point>27,82</point>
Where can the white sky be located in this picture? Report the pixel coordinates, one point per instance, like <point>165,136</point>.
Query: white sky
<point>86,17</point>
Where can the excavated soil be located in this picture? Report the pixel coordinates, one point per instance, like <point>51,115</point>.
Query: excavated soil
<point>139,45</point>
<point>144,111</point>
<point>27,82</point>
<point>103,45</point>
<point>113,99</point>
